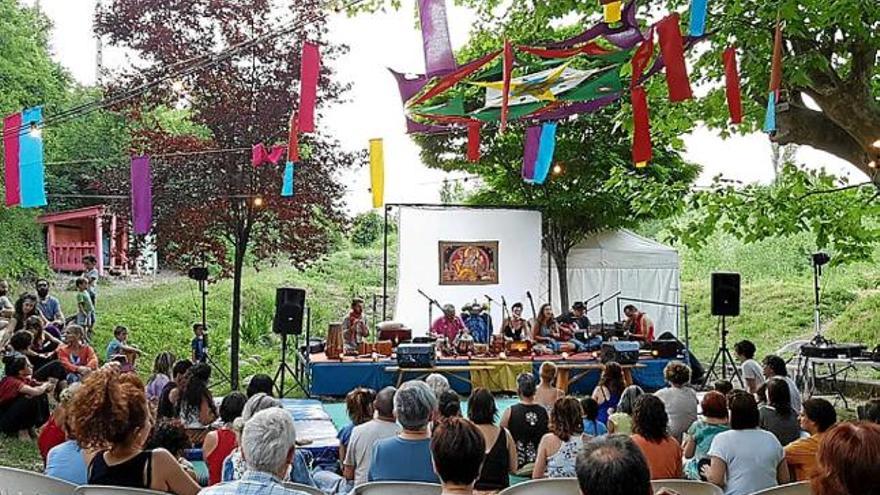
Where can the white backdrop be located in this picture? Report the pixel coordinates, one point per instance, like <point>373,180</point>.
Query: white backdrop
<point>518,233</point>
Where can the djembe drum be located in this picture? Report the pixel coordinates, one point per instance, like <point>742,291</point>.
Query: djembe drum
<point>335,343</point>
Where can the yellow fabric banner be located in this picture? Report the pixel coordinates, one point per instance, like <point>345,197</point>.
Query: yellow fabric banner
<point>502,378</point>
<point>377,172</point>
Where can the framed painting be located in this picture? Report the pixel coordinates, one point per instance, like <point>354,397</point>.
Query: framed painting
<point>468,263</point>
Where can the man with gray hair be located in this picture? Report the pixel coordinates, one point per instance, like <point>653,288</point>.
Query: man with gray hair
<point>407,456</point>
<point>356,465</point>
<point>268,444</point>
<point>614,465</point>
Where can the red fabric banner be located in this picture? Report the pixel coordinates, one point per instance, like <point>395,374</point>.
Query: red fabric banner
<point>293,140</point>
<point>11,133</point>
<point>641,58</point>
<point>776,70</point>
<point>641,150</point>
<point>672,48</point>
<point>587,49</point>
<point>508,73</point>
<point>310,69</point>
<point>452,79</point>
<point>473,149</point>
<point>734,96</point>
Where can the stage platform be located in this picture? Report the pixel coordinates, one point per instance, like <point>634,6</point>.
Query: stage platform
<point>335,378</point>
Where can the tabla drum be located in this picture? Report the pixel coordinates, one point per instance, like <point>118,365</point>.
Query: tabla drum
<point>384,347</point>
<point>497,344</point>
<point>365,348</point>
<point>335,343</point>
<point>465,345</point>
<point>481,349</point>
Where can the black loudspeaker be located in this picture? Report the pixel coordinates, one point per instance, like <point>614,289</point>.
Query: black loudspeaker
<point>725,294</point>
<point>198,273</point>
<point>290,306</point>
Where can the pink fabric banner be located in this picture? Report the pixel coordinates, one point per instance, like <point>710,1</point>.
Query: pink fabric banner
<point>141,195</point>
<point>11,132</point>
<point>439,58</point>
<point>308,91</point>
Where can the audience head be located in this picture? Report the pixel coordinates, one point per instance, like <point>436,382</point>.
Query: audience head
<point>163,363</point>
<point>232,406</point>
<point>714,405</point>
<point>677,373</point>
<point>438,384</point>
<point>73,335</point>
<point>110,409</point>
<point>481,407</point>
<point>779,396</point>
<point>566,419</point>
<point>42,286</point>
<point>25,305</point>
<point>547,372</point>
<point>744,413</point>
<point>612,377</point>
<point>414,405</point>
<point>650,419</point>
<point>255,404</point>
<point>449,404</point>
<point>745,349</point>
<point>359,405</point>
<point>81,283</point>
<point>268,441</point>
<point>847,460</point>
<point>870,411</point>
<point>17,365</point>
<point>60,413</point>
<point>4,287</point>
<point>169,434</point>
<point>179,370</point>
<point>590,408</point>
<point>196,388</point>
<point>260,383</point>
<point>774,366</point>
<point>384,404</point>
<point>89,261</point>
<point>21,341</point>
<point>613,465</point>
<point>458,451</point>
<point>818,416</point>
<point>628,399</point>
<point>34,324</point>
<point>722,386</point>
<point>525,385</point>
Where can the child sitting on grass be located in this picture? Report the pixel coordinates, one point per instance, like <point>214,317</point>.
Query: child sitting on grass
<point>118,349</point>
<point>85,314</point>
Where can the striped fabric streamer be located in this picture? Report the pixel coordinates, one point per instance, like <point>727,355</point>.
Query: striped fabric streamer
<point>530,153</point>
<point>540,146</point>
<point>23,158</point>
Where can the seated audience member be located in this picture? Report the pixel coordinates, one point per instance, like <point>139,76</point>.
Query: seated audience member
<point>774,366</point>
<point>24,404</point>
<point>25,307</point>
<point>196,403</point>
<point>679,399</point>
<point>44,342</point>
<point>870,411</point>
<point>547,394</point>
<point>607,392</point>
<point>613,465</point>
<point>53,433</point>
<point>745,459</point>
<point>45,367</point>
<point>414,406</point>
<point>650,427</point>
<point>515,327</point>
<point>356,463</point>
<point>438,384</point>
<point>458,451</point>
<point>49,306</point>
<point>620,421</point>
<point>500,454</point>
<point>699,436</point>
<point>167,407</point>
<point>526,421</point>
<point>78,358</point>
<point>724,387</point>
<point>817,417</point>
<point>268,444</point>
<point>359,405</point>
<point>449,405</point>
<point>847,460</point>
<point>592,426</point>
<point>161,376</point>
<point>110,417</point>
<point>221,442</point>
<point>752,372</point>
<point>559,448</point>
<point>65,461</point>
<point>261,383</point>
<point>169,434</point>
<point>777,416</point>
<point>119,347</point>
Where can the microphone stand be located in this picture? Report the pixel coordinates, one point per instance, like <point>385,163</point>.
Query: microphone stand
<point>431,303</point>
<point>601,306</point>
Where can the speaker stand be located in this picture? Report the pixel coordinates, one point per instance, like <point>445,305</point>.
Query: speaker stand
<point>280,379</point>
<point>723,354</point>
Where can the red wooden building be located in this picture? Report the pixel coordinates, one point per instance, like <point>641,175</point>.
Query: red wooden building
<point>73,234</point>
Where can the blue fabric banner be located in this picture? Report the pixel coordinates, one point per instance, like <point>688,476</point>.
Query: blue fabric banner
<point>698,17</point>
<point>545,152</point>
<point>33,180</point>
<point>287,187</point>
<point>770,116</point>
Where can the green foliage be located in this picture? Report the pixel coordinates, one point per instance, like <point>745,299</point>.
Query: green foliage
<point>22,251</point>
<point>367,228</point>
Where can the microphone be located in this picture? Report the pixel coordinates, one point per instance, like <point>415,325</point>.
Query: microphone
<point>488,298</point>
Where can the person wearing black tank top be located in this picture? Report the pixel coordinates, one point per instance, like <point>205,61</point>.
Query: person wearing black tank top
<point>527,422</point>
<point>501,456</point>
<point>111,409</point>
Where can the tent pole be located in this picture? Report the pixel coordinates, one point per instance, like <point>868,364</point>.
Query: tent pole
<point>550,279</point>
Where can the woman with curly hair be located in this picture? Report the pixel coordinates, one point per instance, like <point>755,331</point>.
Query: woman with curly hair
<point>558,449</point>
<point>607,393</point>
<point>650,424</point>
<point>110,418</point>
<point>359,404</point>
<point>847,460</point>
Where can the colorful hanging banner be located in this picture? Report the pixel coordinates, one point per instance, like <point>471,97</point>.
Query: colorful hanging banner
<point>23,157</point>
<point>310,69</point>
<point>545,152</point>
<point>776,65</point>
<point>293,140</point>
<point>698,17</point>
<point>377,172</point>
<point>507,63</point>
<point>141,195</point>
<point>452,79</point>
<point>287,181</point>
<point>611,11</point>
<point>672,49</point>
<point>473,145</point>
<point>439,58</point>
<point>731,76</point>
<point>260,155</point>
<point>530,152</point>
<point>770,115</point>
<point>641,150</point>
<point>641,58</point>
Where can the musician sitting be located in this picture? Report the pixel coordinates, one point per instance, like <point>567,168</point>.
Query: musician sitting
<point>577,323</point>
<point>448,325</point>
<point>478,322</point>
<point>354,326</point>
<point>577,317</point>
<point>638,325</point>
<point>549,332</point>
<point>515,327</point>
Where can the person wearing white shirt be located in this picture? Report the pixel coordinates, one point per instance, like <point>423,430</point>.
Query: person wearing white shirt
<point>775,366</point>
<point>752,372</point>
<point>356,465</point>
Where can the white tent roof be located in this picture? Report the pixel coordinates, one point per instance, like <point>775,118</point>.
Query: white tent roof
<point>622,249</point>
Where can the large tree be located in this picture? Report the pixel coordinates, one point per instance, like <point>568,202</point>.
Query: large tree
<point>216,208</point>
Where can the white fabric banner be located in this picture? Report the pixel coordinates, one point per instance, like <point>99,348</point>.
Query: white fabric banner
<point>421,229</point>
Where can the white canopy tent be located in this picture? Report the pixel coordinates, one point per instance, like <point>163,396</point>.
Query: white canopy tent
<point>621,260</point>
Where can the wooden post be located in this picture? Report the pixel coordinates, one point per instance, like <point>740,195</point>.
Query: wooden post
<point>50,246</point>
<point>113,240</point>
<point>99,243</point>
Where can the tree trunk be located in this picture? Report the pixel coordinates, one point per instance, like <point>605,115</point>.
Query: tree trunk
<point>235,336</point>
<point>561,260</point>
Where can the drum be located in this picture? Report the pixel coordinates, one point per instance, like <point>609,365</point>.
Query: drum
<point>335,342</point>
<point>519,348</point>
<point>465,345</point>
<point>481,349</point>
<point>497,344</point>
<point>365,348</point>
<point>384,347</point>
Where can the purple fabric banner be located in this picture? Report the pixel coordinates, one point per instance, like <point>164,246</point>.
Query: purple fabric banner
<point>625,36</point>
<point>408,88</point>
<point>141,195</point>
<point>439,58</point>
<point>530,154</point>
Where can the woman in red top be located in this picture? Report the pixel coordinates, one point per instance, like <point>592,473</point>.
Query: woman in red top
<point>23,402</point>
<point>221,442</point>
